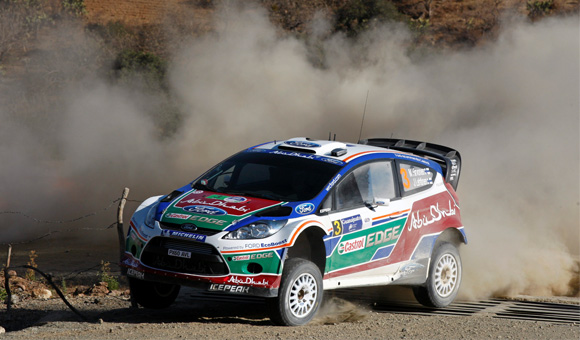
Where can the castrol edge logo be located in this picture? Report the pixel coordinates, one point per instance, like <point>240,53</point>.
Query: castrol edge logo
<point>351,245</point>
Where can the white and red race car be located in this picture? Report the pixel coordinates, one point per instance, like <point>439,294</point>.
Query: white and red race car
<point>286,220</point>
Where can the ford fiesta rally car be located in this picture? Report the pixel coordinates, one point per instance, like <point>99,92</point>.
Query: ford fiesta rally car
<point>286,219</point>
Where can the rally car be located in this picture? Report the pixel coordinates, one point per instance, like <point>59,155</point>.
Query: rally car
<point>286,220</point>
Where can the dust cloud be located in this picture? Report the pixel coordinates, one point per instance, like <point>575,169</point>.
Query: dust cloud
<point>511,108</point>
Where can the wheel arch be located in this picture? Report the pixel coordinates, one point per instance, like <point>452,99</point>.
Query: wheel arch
<point>454,236</point>
<point>309,245</point>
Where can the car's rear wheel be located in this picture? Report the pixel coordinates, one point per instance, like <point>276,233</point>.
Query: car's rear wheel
<point>155,295</point>
<point>444,278</point>
<point>300,294</point>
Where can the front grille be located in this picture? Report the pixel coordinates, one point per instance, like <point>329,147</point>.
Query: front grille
<point>200,231</point>
<point>205,259</point>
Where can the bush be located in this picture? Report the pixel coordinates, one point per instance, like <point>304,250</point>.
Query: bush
<point>537,9</point>
<point>132,63</point>
<point>30,273</point>
<point>357,16</point>
<point>105,276</point>
<point>74,7</point>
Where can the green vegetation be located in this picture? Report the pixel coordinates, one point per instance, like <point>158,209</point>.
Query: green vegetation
<point>63,287</point>
<point>358,16</point>
<point>74,7</point>
<point>105,276</point>
<point>30,273</point>
<point>130,63</point>
<point>538,9</point>
<point>3,294</point>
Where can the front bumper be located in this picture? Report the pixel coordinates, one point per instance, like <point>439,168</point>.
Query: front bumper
<point>263,285</point>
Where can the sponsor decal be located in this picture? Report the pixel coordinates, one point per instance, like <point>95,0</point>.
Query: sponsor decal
<point>302,144</point>
<point>179,253</point>
<point>454,170</point>
<point>131,262</point>
<point>264,245</point>
<point>233,248</point>
<point>413,158</point>
<point>229,288</point>
<point>332,160</point>
<point>351,245</point>
<point>235,199</point>
<point>134,273</point>
<point>304,208</point>
<point>433,214</point>
<point>197,192</point>
<point>204,210</point>
<point>213,205</point>
<point>294,154</point>
<point>217,197</point>
<point>178,216</point>
<point>208,220</point>
<point>386,235</point>
<point>248,281</point>
<point>347,225</point>
<point>333,182</point>
<point>196,237</point>
<point>257,256</point>
<point>229,199</point>
<point>300,155</point>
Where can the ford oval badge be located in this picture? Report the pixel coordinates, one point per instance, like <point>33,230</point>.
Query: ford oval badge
<point>188,227</point>
<point>304,208</point>
<point>205,210</point>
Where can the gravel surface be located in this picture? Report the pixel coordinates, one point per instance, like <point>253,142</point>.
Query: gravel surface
<point>111,317</point>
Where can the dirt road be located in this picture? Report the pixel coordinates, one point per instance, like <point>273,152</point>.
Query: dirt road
<point>197,317</point>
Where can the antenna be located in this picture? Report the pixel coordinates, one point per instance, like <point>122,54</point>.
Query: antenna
<point>363,117</point>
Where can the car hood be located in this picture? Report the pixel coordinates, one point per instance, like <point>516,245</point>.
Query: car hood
<point>212,210</point>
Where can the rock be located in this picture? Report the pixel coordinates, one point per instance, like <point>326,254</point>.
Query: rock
<point>20,286</point>
<point>41,293</point>
<point>81,291</point>
<point>2,330</point>
<point>116,293</point>
<point>14,298</point>
<point>99,289</point>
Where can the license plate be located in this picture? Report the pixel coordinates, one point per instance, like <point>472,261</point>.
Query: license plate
<point>179,253</point>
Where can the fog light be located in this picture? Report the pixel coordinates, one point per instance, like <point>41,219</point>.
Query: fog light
<point>255,268</point>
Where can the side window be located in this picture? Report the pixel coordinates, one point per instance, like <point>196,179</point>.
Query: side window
<point>365,183</point>
<point>383,182</point>
<point>348,193</point>
<point>415,177</point>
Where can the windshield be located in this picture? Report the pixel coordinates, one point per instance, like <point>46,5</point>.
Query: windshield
<point>267,175</point>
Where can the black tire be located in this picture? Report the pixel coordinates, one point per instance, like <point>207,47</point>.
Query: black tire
<point>444,278</point>
<point>154,295</point>
<point>299,296</point>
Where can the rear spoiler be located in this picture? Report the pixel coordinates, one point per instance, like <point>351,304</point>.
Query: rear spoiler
<point>448,158</point>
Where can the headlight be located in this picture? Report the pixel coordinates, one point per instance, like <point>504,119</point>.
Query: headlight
<point>150,219</point>
<point>260,229</point>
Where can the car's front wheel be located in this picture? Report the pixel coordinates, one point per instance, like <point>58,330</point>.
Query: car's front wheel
<point>300,294</point>
<point>155,295</point>
<point>444,278</point>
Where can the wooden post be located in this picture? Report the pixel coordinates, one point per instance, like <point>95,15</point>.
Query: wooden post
<point>120,232</point>
<point>7,280</point>
<point>9,255</point>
